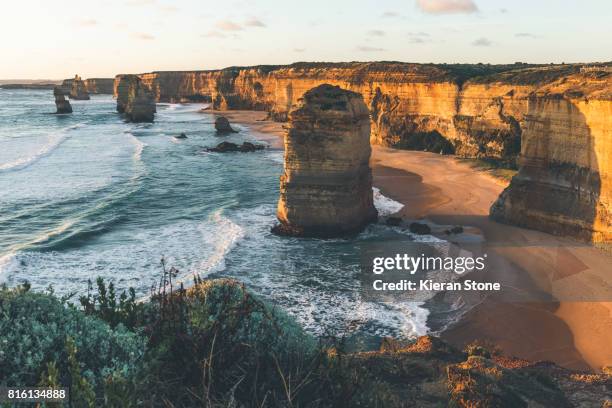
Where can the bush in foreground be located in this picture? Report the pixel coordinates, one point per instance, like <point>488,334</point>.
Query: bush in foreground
<point>217,345</point>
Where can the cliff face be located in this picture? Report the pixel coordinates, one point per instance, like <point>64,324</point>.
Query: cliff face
<point>423,107</point>
<point>99,85</point>
<point>134,99</point>
<point>91,85</point>
<point>555,120</point>
<point>563,185</point>
<point>326,188</point>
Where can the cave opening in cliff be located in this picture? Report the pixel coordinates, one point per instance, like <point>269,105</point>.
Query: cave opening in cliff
<point>432,141</point>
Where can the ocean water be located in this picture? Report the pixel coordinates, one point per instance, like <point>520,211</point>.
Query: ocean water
<point>88,195</point>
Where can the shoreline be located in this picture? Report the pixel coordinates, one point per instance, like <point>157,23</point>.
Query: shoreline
<point>442,190</point>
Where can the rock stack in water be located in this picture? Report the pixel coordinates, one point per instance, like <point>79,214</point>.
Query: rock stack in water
<point>134,99</point>
<point>326,188</point>
<point>79,89</point>
<point>62,105</point>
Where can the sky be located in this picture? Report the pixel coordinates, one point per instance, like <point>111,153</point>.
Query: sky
<point>101,38</point>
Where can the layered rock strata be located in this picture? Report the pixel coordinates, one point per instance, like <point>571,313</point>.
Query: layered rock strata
<point>564,182</point>
<point>92,85</point>
<point>78,91</point>
<point>469,110</point>
<point>134,100</point>
<point>99,85</point>
<point>556,115</point>
<point>326,187</point>
<point>61,104</point>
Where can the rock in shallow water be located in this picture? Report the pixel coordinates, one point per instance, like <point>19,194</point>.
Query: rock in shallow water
<point>79,89</point>
<point>135,100</point>
<point>222,126</point>
<point>326,188</point>
<point>62,105</point>
<point>226,147</point>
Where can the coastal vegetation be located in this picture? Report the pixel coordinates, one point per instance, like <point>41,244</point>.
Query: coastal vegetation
<point>215,345</point>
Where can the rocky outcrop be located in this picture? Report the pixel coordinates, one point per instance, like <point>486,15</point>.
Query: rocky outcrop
<point>134,99</point>
<point>91,85</point>
<point>470,110</point>
<point>563,185</point>
<point>222,125</point>
<point>226,147</point>
<point>61,104</point>
<point>326,187</point>
<point>78,90</point>
<point>483,111</point>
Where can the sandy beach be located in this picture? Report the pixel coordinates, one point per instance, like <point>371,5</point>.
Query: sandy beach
<point>574,331</point>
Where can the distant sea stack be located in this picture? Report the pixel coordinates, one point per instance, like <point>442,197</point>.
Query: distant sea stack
<point>62,105</point>
<point>564,185</point>
<point>78,91</point>
<point>326,188</point>
<point>134,99</point>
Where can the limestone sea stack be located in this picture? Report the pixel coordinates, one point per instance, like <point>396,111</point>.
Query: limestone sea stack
<point>62,105</point>
<point>78,90</point>
<point>326,188</point>
<point>134,99</point>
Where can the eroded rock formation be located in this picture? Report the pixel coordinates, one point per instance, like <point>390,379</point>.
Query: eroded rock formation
<point>474,111</point>
<point>222,125</point>
<point>78,90</point>
<point>62,105</point>
<point>134,99</point>
<point>326,187</point>
<point>563,185</point>
<point>560,111</point>
<point>99,85</point>
<point>91,85</point>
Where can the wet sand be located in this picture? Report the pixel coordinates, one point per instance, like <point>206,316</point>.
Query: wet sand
<point>572,332</point>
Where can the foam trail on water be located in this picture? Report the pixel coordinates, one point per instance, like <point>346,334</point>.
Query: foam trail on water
<point>55,140</point>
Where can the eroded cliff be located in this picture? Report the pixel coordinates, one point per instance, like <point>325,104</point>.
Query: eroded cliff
<point>470,110</point>
<point>563,185</point>
<point>555,118</point>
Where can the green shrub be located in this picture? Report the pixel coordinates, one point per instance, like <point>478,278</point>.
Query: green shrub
<point>42,336</point>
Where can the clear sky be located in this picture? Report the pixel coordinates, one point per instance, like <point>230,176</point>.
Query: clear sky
<point>101,38</point>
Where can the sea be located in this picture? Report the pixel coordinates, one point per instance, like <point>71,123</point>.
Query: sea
<point>88,195</point>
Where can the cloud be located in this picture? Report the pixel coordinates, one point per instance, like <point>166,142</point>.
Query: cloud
<point>214,34</point>
<point>418,37</point>
<point>447,6</point>
<point>366,48</point>
<point>299,49</point>
<point>482,42</point>
<point>390,14</point>
<point>143,36</point>
<point>503,10</point>
<point>376,33</point>
<point>254,22</point>
<point>227,25</point>
<point>88,22</point>
<point>526,35</point>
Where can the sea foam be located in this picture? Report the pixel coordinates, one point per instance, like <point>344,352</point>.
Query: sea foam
<point>54,140</point>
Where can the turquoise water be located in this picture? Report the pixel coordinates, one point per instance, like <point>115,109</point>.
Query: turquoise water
<point>87,195</point>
